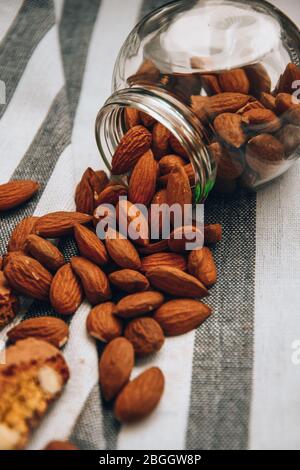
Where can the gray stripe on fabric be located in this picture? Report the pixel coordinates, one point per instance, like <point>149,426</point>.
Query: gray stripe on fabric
<point>223,350</point>
<point>88,432</point>
<point>76,27</point>
<point>32,22</point>
<point>39,161</point>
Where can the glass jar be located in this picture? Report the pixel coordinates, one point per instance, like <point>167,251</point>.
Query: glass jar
<point>220,75</point>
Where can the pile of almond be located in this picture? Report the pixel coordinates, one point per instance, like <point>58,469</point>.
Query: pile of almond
<point>252,129</point>
<point>140,291</point>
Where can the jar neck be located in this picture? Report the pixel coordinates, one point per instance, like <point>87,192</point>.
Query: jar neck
<point>169,111</point>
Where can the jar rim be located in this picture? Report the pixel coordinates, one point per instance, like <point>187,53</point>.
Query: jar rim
<point>169,111</point>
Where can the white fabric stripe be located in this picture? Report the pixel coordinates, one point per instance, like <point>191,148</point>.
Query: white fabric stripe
<point>105,44</point>
<point>8,12</point>
<point>80,352</point>
<point>40,83</point>
<point>276,379</point>
<point>58,5</point>
<point>175,360</point>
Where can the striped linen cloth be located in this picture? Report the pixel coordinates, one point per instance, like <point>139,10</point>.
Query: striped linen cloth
<point>232,384</point>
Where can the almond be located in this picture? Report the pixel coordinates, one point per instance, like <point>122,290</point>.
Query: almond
<point>264,155</point>
<point>249,106</point>
<point>177,147</point>
<point>90,246</point>
<point>50,329</point>
<point>225,103</point>
<point>91,184</point>
<point>159,214</point>
<point>115,367</point>
<point>129,280</point>
<point>122,251</point>
<point>105,214</point>
<point>15,193</point>
<point>289,136</point>
<point>268,101</point>
<point>164,259</point>
<point>160,140</point>
<point>291,74</point>
<point>293,115</point>
<point>155,247</point>
<point>211,84</point>
<point>66,292</point>
<point>178,189</point>
<point>142,181</point>
<point>235,81</point>
<point>229,128</point>
<point>9,303</point>
<point>132,222</point>
<point>283,102</point>
<point>132,146</point>
<point>132,117</point>
<point>147,120</point>
<point>230,166</point>
<point>140,397</point>
<point>137,304</point>
<point>201,265</point>
<point>212,233</point>
<point>20,233</point>
<point>261,120</point>
<point>188,168</point>
<point>260,81</point>
<point>180,316</point>
<point>176,282</point>
<point>44,252</point>
<point>145,334</point>
<point>60,445</point>
<point>198,105</point>
<point>111,194</point>
<point>169,162</point>
<point>185,238</point>
<point>102,324</point>
<point>59,224</point>
<point>94,280</point>
<point>27,276</point>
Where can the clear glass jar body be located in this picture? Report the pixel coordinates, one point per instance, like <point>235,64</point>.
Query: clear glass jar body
<point>222,77</point>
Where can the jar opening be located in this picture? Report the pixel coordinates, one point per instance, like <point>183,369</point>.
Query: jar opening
<point>174,115</point>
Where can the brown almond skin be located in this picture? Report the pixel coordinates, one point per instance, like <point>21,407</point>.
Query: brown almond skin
<point>122,251</point>
<point>229,128</point>
<point>28,277</point>
<point>145,334</point>
<point>226,102</point>
<point>59,224</point>
<point>261,120</point>
<point>168,162</point>
<point>160,140</point>
<point>176,282</point>
<point>211,84</point>
<point>155,247</point>
<point>156,215</point>
<point>147,120</point>
<point>263,154</point>
<point>50,329</point>
<point>94,280</point>
<point>60,445</point>
<point>115,366</point>
<point>180,316</point>
<point>230,166</point>
<point>102,324</point>
<point>129,280</point>
<point>177,148</point>
<point>212,233</point>
<point>184,238</point>
<point>201,265</point>
<point>132,146</point>
<point>140,397</point>
<point>178,188</point>
<point>132,117</point>
<point>45,252</point>
<point>134,305</point>
<point>283,102</point>
<point>84,194</point>
<point>142,181</point>
<point>111,194</point>
<point>164,259</point>
<point>130,217</point>
<point>90,246</point>
<point>291,73</point>
<point>289,136</point>
<point>234,80</point>
<point>260,81</point>
<point>268,101</point>
<point>20,233</point>
<point>15,193</point>
<point>66,293</point>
